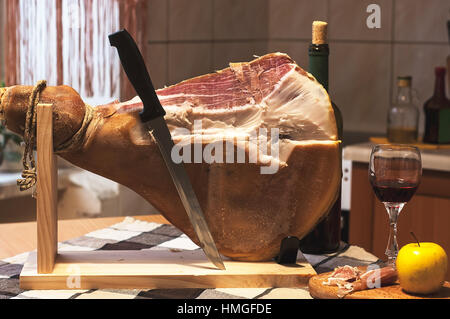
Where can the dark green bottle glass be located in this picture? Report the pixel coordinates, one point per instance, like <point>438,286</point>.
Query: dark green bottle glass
<point>437,112</point>
<point>326,236</point>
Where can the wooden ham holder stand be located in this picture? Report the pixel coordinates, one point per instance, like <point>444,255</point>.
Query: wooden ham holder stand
<point>140,269</point>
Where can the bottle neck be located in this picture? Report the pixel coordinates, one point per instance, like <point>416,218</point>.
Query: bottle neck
<point>404,95</point>
<point>318,67</point>
<point>318,63</point>
<point>439,86</point>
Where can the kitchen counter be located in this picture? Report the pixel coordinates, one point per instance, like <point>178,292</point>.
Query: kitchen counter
<point>438,160</point>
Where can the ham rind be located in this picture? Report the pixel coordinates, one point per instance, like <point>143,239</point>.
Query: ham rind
<point>248,212</point>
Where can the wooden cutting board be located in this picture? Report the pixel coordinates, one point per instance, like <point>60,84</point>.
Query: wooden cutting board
<point>320,291</point>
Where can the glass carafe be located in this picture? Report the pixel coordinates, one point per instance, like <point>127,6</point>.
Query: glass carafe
<point>403,115</point>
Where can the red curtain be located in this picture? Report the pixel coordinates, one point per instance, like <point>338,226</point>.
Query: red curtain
<point>12,50</point>
<point>132,17</point>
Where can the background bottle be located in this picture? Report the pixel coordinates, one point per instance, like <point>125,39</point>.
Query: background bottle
<point>326,236</point>
<point>437,112</point>
<point>403,115</point>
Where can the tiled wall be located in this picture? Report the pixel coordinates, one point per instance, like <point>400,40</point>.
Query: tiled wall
<point>412,41</point>
<point>192,37</point>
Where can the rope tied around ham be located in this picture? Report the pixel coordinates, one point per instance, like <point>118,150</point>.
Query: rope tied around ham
<point>29,176</point>
<point>77,140</point>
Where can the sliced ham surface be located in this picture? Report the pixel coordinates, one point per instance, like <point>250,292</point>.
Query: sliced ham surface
<point>268,92</point>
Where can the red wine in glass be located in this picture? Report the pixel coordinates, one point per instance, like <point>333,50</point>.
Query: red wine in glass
<point>394,172</point>
<point>393,191</point>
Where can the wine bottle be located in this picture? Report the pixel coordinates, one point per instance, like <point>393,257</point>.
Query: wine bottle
<point>437,112</point>
<point>326,236</point>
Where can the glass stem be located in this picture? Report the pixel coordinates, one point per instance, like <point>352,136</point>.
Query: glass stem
<point>393,210</point>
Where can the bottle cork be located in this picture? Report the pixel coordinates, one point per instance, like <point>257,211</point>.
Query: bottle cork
<point>404,81</point>
<point>319,32</point>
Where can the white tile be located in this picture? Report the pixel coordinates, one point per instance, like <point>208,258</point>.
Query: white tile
<point>237,19</point>
<point>348,20</point>
<point>190,19</point>
<point>156,61</point>
<point>156,22</point>
<point>289,19</point>
<point>360,84</point>
<point>187,60</point>
<point>419,20</point>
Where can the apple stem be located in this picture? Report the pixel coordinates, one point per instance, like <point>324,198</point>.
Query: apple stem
<point>415,238</point>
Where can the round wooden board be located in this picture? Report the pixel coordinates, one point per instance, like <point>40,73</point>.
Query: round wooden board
<point>320,291</point>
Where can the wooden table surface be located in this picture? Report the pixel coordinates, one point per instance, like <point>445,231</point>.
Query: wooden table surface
<point>17,238</point>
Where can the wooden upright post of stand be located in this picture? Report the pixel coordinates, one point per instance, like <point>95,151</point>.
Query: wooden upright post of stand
<point>47,191</point>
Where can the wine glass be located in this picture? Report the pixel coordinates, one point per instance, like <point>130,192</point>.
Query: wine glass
<point>394,172</point>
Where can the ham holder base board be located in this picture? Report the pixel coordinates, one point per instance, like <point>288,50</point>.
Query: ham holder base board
<point>140,269</point>
<point>148,269</point>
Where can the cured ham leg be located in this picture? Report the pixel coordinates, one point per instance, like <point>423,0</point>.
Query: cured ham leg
<point>249,212</point>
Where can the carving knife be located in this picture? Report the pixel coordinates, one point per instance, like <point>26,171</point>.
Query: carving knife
<point>153,117</point>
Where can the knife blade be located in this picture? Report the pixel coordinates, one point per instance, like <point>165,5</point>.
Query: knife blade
<point>153,117</point>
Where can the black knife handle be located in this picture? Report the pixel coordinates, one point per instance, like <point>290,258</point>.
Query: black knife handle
<point>137,73</point>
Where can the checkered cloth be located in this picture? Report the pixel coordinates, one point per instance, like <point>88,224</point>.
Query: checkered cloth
<point>132,234</point>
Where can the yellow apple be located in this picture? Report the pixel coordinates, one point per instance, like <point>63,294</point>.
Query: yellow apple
<point>421,267</point>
